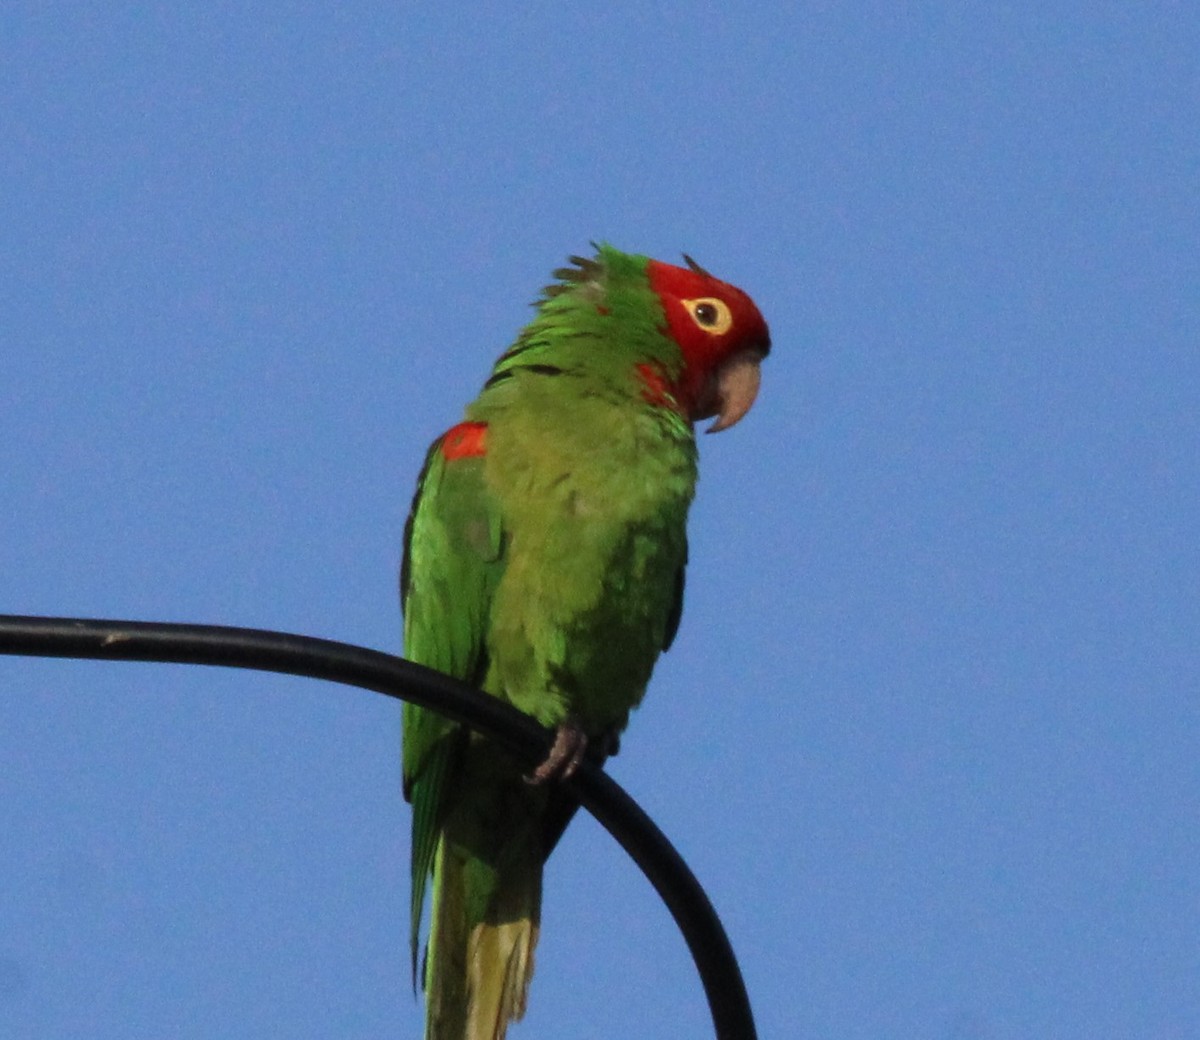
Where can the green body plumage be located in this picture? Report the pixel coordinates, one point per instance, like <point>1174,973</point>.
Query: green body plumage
<point>544,563</point>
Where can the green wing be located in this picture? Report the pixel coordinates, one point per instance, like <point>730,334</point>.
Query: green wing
<point>453,556</point>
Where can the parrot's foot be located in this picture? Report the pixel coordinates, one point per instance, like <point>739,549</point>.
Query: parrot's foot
<point>570,746</point>
<point>609,745</point>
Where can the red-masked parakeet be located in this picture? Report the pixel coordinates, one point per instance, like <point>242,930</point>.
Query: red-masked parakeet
<point>543,563</point>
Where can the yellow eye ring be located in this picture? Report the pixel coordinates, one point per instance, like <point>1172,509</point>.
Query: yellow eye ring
<point>710,314</point>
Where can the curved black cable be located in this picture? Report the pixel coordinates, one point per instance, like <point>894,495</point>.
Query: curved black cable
<point>395,677</point>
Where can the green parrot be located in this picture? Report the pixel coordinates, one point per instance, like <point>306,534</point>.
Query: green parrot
<point>543,563</point>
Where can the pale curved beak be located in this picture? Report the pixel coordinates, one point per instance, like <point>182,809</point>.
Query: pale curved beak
<point>737,382</point>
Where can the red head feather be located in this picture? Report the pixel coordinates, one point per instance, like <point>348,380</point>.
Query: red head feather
<point>722,335</point>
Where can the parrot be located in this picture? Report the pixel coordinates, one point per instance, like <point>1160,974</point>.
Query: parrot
<point>543,563</point>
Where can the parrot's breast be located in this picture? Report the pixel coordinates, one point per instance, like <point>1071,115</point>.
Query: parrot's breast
<point>595,511</point>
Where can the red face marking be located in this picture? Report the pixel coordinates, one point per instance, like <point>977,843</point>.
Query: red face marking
<point>711,321</point>
<point>657,388</point>
<point>464,441</point>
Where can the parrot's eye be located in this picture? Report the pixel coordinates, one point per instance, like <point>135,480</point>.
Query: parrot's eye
<point>711,314</point>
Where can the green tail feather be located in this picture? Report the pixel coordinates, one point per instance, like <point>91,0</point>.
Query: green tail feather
<point>481,945</point>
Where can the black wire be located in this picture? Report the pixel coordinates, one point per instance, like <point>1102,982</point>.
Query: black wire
<point>396,677</point>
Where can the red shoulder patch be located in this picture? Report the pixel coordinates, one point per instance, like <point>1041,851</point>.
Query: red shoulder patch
<point>464,441</point>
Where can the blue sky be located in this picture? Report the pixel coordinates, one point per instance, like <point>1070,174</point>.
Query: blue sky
<point>929,732</point>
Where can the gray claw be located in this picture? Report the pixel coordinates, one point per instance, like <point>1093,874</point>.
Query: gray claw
<point>568,750</point>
